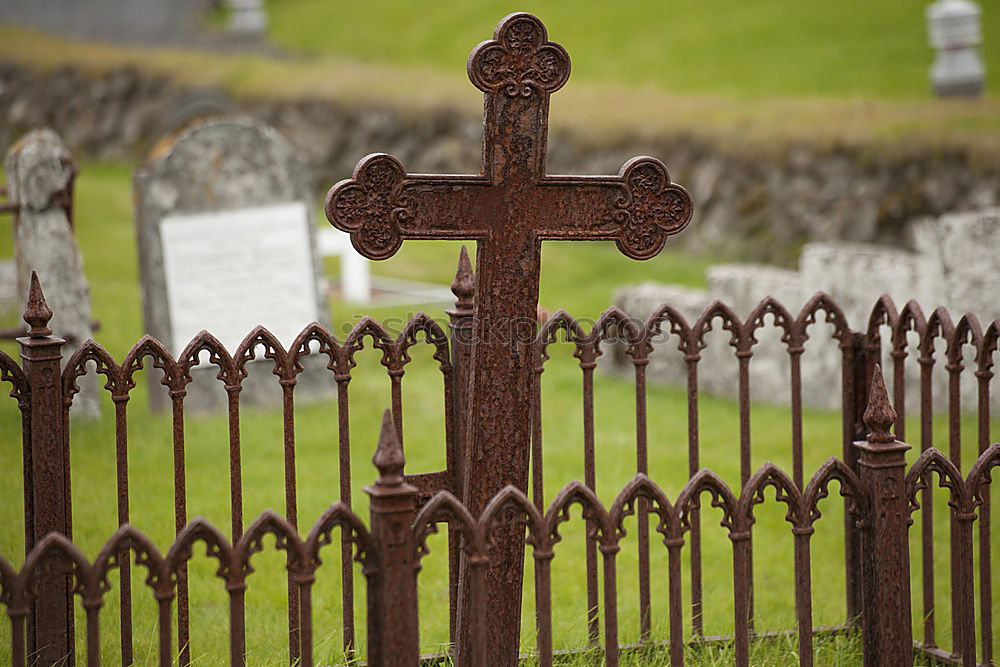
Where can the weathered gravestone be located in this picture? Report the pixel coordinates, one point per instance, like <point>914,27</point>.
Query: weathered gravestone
<point>964,249</point>
<point>40,174</point>
<point>508,209</point>
<point>227,242</point>
<point>956,263</point>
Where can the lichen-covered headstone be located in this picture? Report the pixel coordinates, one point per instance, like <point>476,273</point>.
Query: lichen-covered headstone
<point>966,248</point>
<point>955,264</point>
<point>40,172</point>
<point>227,242</point>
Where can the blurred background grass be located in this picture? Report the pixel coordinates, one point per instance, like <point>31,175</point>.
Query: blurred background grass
<point>767,48</point>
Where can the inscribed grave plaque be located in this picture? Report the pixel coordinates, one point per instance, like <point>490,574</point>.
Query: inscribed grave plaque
<point>228,271</point>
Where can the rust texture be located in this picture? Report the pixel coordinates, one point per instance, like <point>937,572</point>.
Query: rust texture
<point>47,496</point>
<point>885,550</point>
<point>120,380</point>
<point>969,497</point>
<point>508,209</point>
<point>391,551</point>
<point>392,590</point>
<point>876,492</point>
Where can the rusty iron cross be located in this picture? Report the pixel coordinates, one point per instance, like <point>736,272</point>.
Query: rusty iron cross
<point>508,209</point>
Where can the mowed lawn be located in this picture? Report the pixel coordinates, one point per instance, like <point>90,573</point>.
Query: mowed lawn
<point>769,48</point>
<point>580,277</point>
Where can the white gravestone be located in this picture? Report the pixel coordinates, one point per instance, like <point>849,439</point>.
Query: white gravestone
<point>217,285</point>
<point>355,272</point>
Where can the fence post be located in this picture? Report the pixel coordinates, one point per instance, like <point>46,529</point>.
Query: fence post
<point>393,636</point>
<point>885,554</point>
<point>50,635</point>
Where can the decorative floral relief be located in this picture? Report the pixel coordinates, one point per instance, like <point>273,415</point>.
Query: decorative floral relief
<point>371,206</point>
<point>653,209</point>
<point>519,60</point>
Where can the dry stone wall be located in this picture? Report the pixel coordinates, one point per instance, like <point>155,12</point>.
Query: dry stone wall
<point>752,202</point>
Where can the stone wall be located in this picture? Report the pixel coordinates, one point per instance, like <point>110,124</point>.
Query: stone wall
<point>759,203</point>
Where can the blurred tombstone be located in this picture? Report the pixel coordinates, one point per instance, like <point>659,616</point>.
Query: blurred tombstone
<point>355,272</point>
<point>40,175</point>
<point>247,17</point>
<point>132,21</point>
<point>227,242</point>
<point>956,263</point>
<point>964,248</point>
<point>955,31</point>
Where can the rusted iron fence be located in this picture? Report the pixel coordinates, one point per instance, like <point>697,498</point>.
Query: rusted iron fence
<point>869,469</point>
<point>46,397</point>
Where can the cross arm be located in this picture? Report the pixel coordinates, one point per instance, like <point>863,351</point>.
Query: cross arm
<point>638,209</point>
<point>382,205</point>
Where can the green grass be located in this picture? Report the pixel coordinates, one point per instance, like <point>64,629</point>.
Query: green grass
<point>769,48</point>
<point>579,277</point>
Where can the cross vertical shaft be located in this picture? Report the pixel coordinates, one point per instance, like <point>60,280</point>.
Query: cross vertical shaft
<point>508,268</point>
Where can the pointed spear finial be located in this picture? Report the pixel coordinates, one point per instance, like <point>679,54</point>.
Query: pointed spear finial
<point>464,285</point>
<point>389,457</point>
<point>879,415</point>
<point>37,312</point>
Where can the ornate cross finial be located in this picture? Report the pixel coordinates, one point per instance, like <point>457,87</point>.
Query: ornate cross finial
<point>388,456</point>
<point>519,60</point>
<point>37,312</point>
<point>464,284</point>
<point>879,415</point>
<point>652,210</point>
<point>371,206</point>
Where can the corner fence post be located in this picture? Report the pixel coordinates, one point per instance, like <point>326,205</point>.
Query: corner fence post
<point>50,634</point>
<point>885,554</point>
<point>393,636</point>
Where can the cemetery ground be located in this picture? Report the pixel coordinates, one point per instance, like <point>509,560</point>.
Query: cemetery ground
<point>578,277</point>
